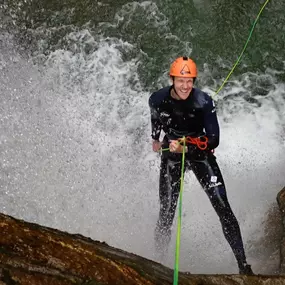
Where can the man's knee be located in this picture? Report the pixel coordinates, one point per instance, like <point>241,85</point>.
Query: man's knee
<point>219,200</point>
<point>163,225</point>
<point>217,192</point>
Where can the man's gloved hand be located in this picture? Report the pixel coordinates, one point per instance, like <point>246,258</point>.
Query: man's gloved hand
<point>176,146</point>
<point>156,145</point>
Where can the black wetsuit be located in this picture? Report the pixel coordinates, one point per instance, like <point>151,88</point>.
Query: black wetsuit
<point>195,116</point>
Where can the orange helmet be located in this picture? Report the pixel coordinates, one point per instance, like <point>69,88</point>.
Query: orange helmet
<point>183,67</point>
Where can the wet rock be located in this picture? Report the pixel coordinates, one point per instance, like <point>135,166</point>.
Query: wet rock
<point>281,204</point>
<point>33,254</point>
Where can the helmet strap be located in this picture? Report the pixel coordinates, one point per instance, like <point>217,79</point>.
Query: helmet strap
<point>175,92</point>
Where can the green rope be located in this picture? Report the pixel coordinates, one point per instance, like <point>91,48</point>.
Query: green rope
<point>178,235</point>
<point>253,26</point>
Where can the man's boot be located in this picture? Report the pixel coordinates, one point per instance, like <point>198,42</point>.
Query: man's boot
<point>245,269</point>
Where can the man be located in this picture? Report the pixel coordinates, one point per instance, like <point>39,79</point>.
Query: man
<point>181,110</point>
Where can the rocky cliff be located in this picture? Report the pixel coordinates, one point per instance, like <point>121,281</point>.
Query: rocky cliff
<point>33,254</point>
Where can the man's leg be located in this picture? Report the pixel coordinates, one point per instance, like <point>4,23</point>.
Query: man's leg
<point>169,185</point>
<point>209,175</point>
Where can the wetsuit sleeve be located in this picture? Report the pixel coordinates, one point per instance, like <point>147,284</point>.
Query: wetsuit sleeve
<point>156,125</point>
<point>212,128</point>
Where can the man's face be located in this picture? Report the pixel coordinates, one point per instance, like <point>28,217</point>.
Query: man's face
<point>183,86</point>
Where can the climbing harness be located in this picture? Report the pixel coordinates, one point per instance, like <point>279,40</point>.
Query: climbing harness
<point>200,142</point>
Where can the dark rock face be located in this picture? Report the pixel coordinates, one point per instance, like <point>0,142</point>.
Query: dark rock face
<point>33,254</point>
<point>281,204</point>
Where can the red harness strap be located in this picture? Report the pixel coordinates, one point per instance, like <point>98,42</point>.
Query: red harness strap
<point>201,142</point>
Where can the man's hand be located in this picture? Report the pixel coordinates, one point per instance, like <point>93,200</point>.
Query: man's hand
<point>156,146</point>
<point>175,146</point>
